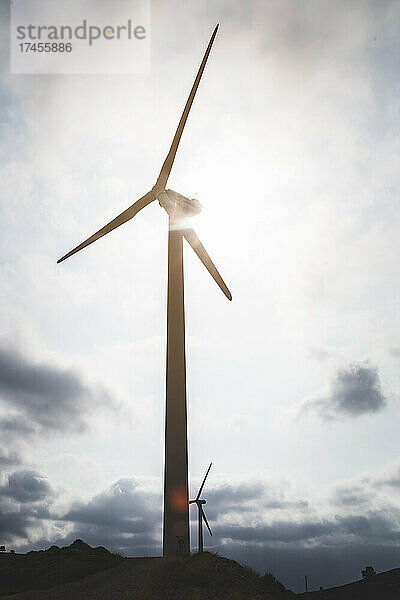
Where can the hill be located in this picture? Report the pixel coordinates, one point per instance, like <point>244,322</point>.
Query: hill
<point>199,577</point>
<point>383,586</point>
<point>43,569</point>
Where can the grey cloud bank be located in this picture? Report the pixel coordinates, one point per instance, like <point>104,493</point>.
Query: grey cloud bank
<point>39,399</point>
<point>25,497</point>
<point>26,486</point>
<point>127,517</point>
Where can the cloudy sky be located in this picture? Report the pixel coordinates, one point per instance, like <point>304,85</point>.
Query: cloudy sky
<point>294,387</point>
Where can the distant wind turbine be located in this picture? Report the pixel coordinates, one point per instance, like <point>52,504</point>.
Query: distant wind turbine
<point>178,208</point>
<point>201,514</point>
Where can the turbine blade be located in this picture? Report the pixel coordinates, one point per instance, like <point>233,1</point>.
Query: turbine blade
<point>120,220</point>
<point>204,480</point>
<point>205,520</point>
<point>169,161</point>
<point>201,252</point>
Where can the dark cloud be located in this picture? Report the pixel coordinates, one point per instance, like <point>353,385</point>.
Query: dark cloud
<point>374,526</point>
<point>230,495</point>
<point>125,516</point>
<point>24,504</point>
<point>21,521</point>
<point>42,398</point>
<point>352,496</point>
<point>26,486</point>
<point>17,426</point>
<point>354,391</point>
<point>249,497</point>
<point>13,524</point>
<point>279,531</point>
<point>9,458</point>
<point>285,504</point>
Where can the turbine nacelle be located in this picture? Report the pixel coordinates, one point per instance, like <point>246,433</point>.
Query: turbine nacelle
<point>178,206</point>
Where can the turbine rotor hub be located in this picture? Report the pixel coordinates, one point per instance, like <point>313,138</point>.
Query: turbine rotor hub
<point>177,205</point>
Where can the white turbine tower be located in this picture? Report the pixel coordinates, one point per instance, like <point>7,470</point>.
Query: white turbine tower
<point>178,208</point>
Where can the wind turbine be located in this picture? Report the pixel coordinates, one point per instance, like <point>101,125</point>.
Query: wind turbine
<point>201,514</point>
<point>178,208</point>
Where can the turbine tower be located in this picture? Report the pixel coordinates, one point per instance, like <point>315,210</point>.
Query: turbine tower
<point>178,208</point>
<point>201,514</point>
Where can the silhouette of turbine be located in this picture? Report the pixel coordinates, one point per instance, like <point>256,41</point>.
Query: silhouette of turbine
<point>201,514</point>
<point>178,208</point>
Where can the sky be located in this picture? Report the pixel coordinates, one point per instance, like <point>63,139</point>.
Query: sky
<point>294,387</point>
